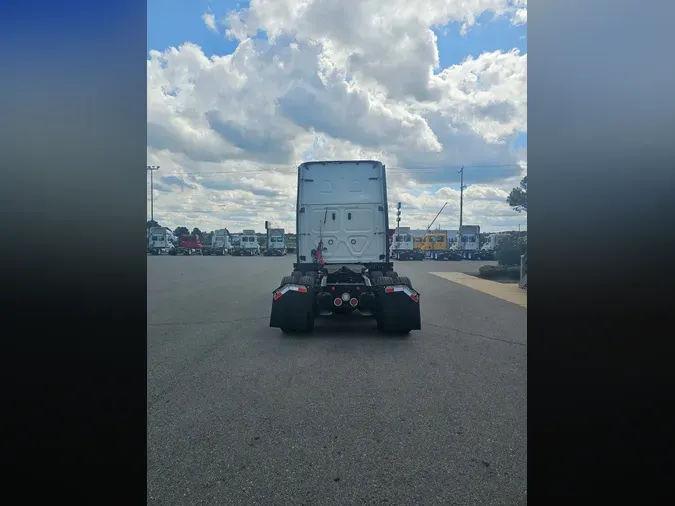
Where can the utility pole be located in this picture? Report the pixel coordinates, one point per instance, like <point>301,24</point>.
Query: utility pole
<point>461,199</point>
<point>152,168</point>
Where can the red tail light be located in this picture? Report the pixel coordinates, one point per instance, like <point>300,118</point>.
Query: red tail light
<point>389,289</point>
<point>277,295</point>
<point>302,289</point>
<point>353,302</point>
<point>414,297</point>
<point>337,301</point>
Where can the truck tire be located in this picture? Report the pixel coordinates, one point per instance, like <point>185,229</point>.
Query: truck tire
<point>376,274</point>
<point>406,281</point>
<point>383,280</point>
<point>307,280</point>
<point>297,274</point>
<point>286,280</point>
<point>392,274</point>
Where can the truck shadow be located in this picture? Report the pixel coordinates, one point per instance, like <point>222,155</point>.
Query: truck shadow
<point>348,327</point>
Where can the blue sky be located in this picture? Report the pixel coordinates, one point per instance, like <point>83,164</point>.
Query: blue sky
<point>172,22</point>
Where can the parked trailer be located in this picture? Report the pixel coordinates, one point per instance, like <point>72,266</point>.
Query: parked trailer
<point>188,244</point>
<point>342,258</point>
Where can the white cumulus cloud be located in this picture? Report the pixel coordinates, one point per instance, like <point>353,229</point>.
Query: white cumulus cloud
<point>228,130</point>
<point>210,21</point>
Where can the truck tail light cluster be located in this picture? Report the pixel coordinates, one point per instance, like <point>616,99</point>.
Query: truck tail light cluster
<point>410,293</point>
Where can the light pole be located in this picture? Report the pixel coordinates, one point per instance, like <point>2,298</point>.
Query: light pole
<point>152,168</point>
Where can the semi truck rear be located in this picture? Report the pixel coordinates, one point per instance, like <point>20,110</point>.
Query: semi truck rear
<point>342,255</point>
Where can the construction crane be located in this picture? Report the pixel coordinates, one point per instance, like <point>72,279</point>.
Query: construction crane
<point>439,213</point>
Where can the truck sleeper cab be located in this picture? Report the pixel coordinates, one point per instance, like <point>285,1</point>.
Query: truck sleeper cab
<point>187,245</point>
<point>403,248</point>
<point>276,242</point>
<point>220,243</point>
<point>342,256</point>
<point>249,243</point>
<point>160,240</point>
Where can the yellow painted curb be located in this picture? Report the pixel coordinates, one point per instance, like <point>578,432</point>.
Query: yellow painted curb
<point>505,291</point>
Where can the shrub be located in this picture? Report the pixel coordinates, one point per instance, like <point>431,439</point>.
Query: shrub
<point>509,251</point>
<point>490,271</point>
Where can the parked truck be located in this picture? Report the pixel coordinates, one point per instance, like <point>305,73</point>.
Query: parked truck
<point>489,248</point>
<point>249,243</point>
<point>235,242</point>
<point>403,246</point>
<point>468,243</point>
<point>438,245</point>
<point>220,243</point>
<point>342,258</point>
<point>276,242</point>
<point>188,244</point>
<point>160,240</point>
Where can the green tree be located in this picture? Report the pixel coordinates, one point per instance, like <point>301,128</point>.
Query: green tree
<point>518,197</point>
<point>197,232</point>
<point>509,249</point>
<point>181,231</point>
<point>152,223</point>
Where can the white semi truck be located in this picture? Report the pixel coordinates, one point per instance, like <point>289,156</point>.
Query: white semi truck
<point>220,243</point>
<point>160,240</point>
<point>468,243</point>
<point>403,246</point>
<point>249,243</point>
<point>276,242</point>
<point>235,243</point>
<point>343,263</point>
<point>489,248</point>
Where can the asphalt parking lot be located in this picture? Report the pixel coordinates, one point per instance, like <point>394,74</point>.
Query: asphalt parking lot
<point>239,413</point>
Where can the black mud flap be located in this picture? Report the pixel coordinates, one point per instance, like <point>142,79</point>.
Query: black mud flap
<point>398,309</point>
<point>293,308</point>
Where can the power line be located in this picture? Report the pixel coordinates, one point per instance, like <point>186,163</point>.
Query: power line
<point>395,170</point>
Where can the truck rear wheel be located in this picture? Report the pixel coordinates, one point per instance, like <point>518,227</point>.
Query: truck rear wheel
<point>392,274</point>
<point>406,281</point>
<point>307,280</point>
<point>383,280</point>
<point>289,280</point>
